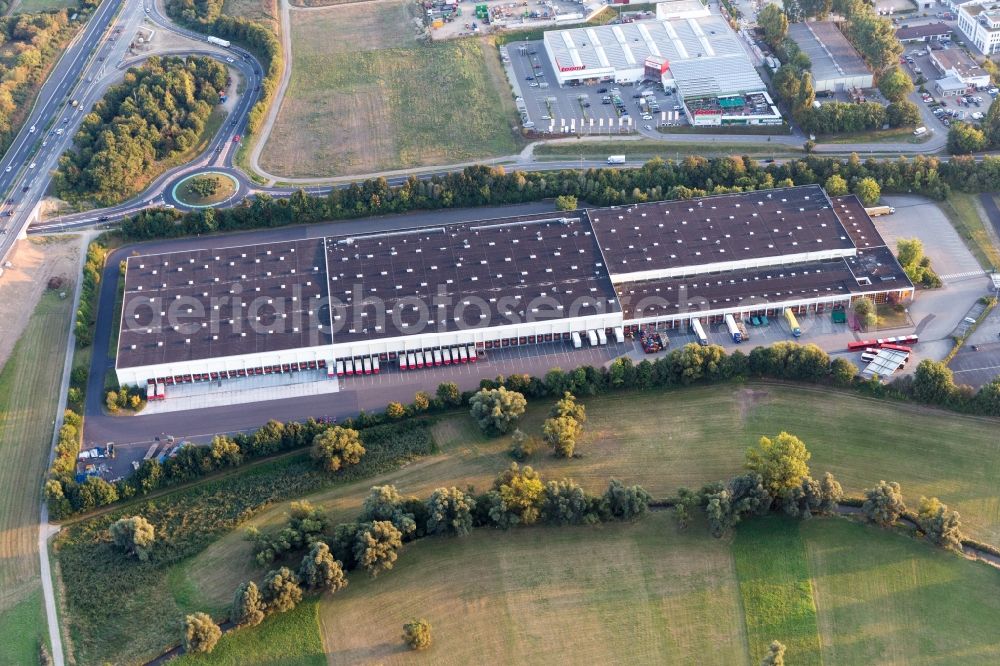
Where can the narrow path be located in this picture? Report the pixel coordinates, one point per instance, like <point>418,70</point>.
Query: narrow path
<point>45,528</point>
<point>264,132</point>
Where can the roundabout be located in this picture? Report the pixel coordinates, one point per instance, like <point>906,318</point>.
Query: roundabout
<point>205,189</point>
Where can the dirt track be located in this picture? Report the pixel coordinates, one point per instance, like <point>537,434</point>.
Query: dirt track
<point>34,261</point>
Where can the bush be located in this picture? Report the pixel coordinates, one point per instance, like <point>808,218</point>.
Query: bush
<point>201,633</point>
<point>497,410</point>
<point>417,634</point>
<point>450,512</point>
<point>336,448</point>
<point>134,535</point>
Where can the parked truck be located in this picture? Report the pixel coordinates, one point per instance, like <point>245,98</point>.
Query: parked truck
<point>699,332</point>
<point>734,331</point>
<point>875,211</point>
<point>793,323</point>
<point>577,342</point>
<point>224,43</point>
<point>616,159</point>
<point>744,335</point>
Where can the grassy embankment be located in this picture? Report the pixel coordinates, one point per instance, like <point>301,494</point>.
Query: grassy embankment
<point>29,394</point>
<point>642,149</point>
<point>964,212</point>
<point>660,440</point>
<point>366,96</point>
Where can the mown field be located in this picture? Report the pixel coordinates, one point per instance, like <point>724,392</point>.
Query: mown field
<point>833,591</point>
<point>686,438</point>
<point>366,96</point>
<point>29,392</point>
<point>661,440</point>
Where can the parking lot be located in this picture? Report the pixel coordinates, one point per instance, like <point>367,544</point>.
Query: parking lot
<point>547,107</point>
<point>978,362</point>
<point>917,62</point>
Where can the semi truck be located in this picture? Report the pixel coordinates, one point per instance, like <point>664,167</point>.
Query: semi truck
<point>793,323</point>
<point>577,342</point>
<point>602,337</point>
<point>616,159</point>
<point>592,338</point>
<point>224,43</point>
<point>743,330</point>
<point>699,332</point>
<point>875,211</point>
<point>734,330</point>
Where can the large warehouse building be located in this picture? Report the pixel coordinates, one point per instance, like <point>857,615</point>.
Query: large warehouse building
<point>208,315</point>
<point>836,64</point>
<point>700,57</point>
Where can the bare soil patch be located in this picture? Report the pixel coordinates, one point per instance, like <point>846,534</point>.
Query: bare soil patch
<point>35,262</point>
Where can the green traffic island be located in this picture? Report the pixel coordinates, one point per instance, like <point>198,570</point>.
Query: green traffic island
<point>205,189</point>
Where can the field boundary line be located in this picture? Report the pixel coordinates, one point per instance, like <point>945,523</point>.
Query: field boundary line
<point>285,28</point>
<point>45,529</point>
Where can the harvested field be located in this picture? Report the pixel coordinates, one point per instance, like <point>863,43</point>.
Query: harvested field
<point>365,96</point>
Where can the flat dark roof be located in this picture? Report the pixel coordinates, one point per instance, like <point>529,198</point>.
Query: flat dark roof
<point>233,301</point>
<point>724,228</point>
<point>755,288</point>
<point>461,276</point>
<point>926,30</point>
<point>860,227</point>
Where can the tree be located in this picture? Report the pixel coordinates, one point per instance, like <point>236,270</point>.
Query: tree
<point>775,655</point>
<point>337,447</point>
<point>835,185</point>
<point>450,512</point>
<point>565,202</point>
<point>991,123</point>
<point>842,372</point>
<point>377,545</point>
<point>774,23</point>
<point>417,634</point>
<point>521,446</point>
<point>895,84</point>
<point>319,571</point>
<point>248,606</point>
<point>561,434</point>
<point>201,633</point>
<point>781,463</point>
<point>385,503</point>
<point>903,113</point>
<point>933,383</point>
<point>866,312</point>
<point>884,503</point>
<point>566,503</point>
<point>568,406</point>
<point>497,410</point>
<point>868,191</point>
<point>281,590</point>
<point>518,497</point>
<point>626,502</point>
<point>134,535</point>
<point>831,494</point>
<point>204,186</point>
<point>226,452</point>
<point>964,138</point>
<point>449,394</point>
<point>686,502</point>
<point>941,526</point>
<point>395,410</point>
<point>421,401</point>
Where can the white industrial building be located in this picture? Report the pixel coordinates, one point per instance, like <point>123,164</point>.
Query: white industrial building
<point>681,9</point>
<point>836,64</point>
<point>700,57</point>
<point>314,305</point>
<point>956,63</point>
<point>980,23</point>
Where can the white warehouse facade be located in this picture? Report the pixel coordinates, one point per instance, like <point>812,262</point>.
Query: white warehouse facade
<point>310,305</point>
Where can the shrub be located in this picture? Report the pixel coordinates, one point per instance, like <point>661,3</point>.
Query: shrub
<point>281,590</point>
<point>417,634</point>
<point>884,503</point>
<point>450,512</point>
<point>201,633</point>
<point>337,448</point>
<point>248,606</point>
<point>134,535</point>
<point>497,410</point>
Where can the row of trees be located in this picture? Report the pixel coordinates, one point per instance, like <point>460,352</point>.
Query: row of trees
<point>30,44</point>
<point>884,506</point>
<point>158,111</point>
<point>777,477</point>
<point>657,180</point>
<point>206,16</point>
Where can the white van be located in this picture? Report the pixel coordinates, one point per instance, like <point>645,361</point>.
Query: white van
<point>920,131</point>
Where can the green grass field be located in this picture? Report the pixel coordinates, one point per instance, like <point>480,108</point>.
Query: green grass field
<point>663,441</point>
<point>833,591</point>
<point>29,392</point>
<point>289,639</point>
<point>366,96</point>
<point>777,592</point>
